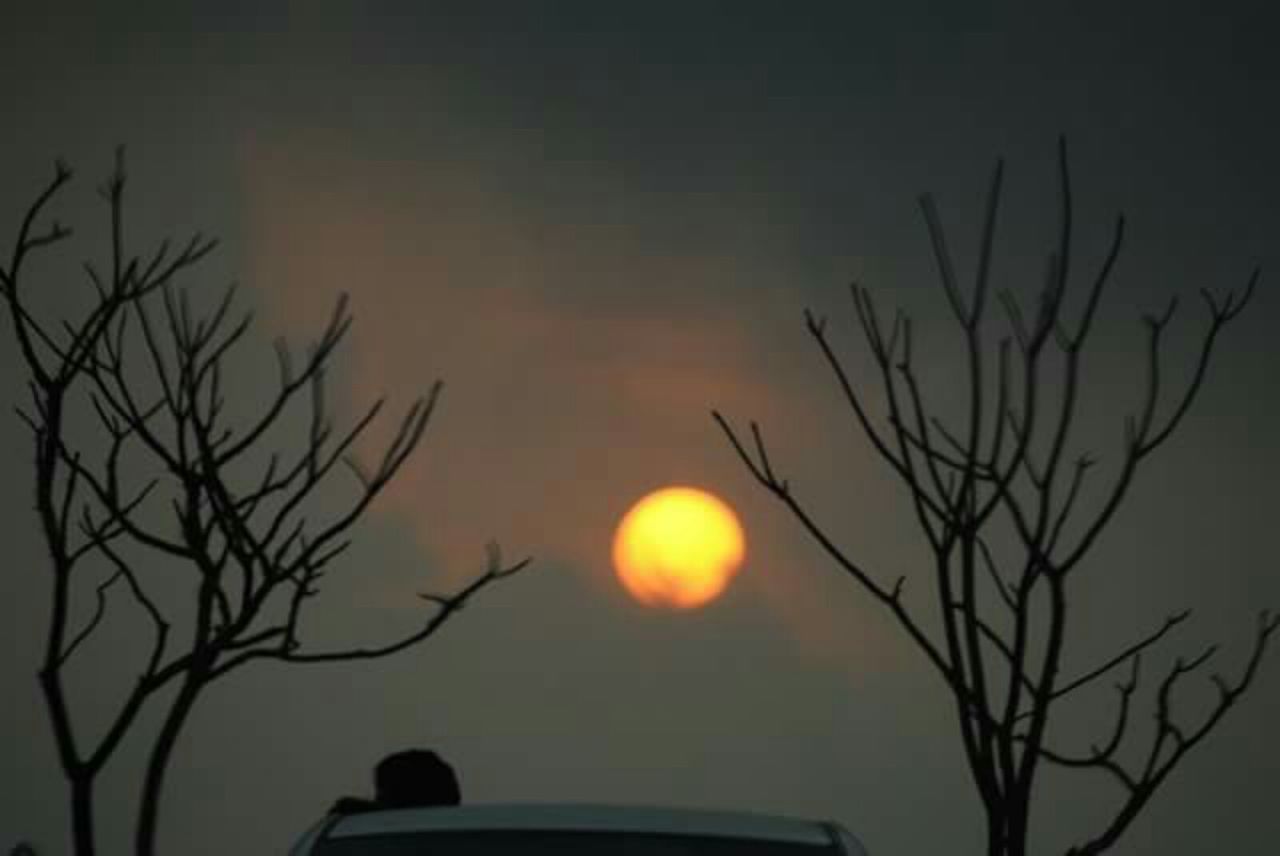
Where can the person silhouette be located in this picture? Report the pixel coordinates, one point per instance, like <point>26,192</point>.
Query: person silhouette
<point>407,779</point>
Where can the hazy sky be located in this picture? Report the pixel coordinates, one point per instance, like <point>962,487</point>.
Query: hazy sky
<point>596,221</point>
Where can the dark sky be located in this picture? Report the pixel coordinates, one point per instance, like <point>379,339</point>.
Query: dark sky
<point>596,221</point>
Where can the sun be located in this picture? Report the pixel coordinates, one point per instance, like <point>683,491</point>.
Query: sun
<point>678,548</point>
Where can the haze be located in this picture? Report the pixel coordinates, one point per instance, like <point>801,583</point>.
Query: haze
<point>596,223</point>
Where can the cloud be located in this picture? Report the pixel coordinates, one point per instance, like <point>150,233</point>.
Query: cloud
<point>580,358</point>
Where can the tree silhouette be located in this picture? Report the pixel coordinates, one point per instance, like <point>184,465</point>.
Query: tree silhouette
<point>1003,613</point>
<point>240,516</point>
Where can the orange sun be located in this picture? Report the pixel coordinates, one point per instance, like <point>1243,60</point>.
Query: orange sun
<point>678,548</point>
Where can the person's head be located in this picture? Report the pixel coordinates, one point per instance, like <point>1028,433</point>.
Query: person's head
<point>415,777</point>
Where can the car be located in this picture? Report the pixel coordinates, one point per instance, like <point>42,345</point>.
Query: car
<point>572,830</point>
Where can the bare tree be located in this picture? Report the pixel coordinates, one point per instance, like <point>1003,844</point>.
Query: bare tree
<point>1002,614</point>
<point>237,519</point>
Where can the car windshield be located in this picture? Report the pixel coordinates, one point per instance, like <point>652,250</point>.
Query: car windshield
<point>560,843</point>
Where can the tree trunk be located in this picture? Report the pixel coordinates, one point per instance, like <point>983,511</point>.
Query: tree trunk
<point>158,765</point>
<point>995,832</point>
<point>82,835</point>
<point>1007,828</point>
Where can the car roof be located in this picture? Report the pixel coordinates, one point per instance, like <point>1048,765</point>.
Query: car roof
<point>585,817</point>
